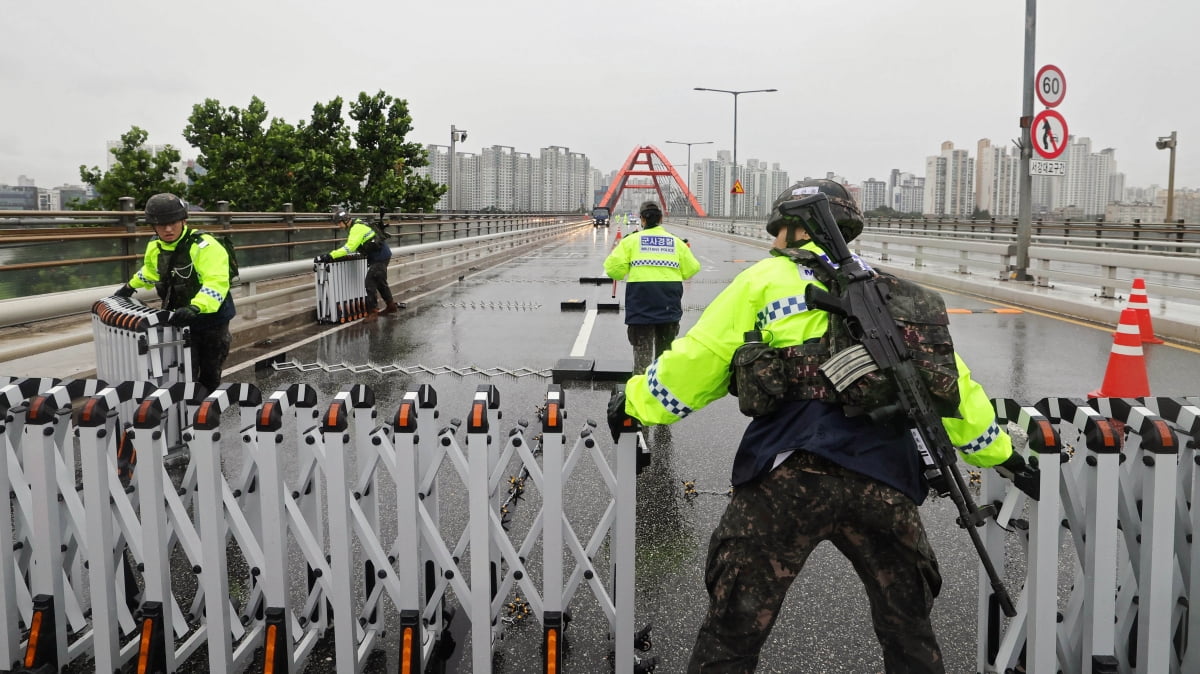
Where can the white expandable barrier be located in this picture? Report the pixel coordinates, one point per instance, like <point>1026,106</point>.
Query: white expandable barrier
<point>341,290</point>
<point>134,342</point>
<point>289,521</point>
<point>1106,539</point>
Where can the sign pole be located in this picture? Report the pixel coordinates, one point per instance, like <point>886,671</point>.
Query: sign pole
<point>1025,212</point>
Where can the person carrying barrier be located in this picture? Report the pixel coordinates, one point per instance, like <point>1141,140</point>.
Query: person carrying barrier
<point>657,263</point>
<point>189,270</point>
<point>369,241</point>
<point>814,464</point>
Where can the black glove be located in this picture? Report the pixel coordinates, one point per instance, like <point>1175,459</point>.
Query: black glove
<point>617,417</point>
<point>321,259</point>
<point>184,316</point>
<point>1023,476</point>
<point>124,291</point>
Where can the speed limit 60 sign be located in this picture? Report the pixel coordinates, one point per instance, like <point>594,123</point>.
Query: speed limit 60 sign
<point>1050,85</point>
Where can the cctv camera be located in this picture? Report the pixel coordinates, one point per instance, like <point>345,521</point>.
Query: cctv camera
<point>1160,144</point>
<point>463,138</point>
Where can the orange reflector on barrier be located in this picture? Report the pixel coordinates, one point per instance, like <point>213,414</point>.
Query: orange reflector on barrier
<point>269,650</point>
<point>35,632</point>
<point>144,649</point>
<point>406,644</point>
<point>1048,439</point>
<point>552,651</point>
<point>202,413</point>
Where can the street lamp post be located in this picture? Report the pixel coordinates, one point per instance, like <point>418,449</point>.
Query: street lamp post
<point>456,135</point>
<point>1164,143</point>
<point>689,167</point>
<point>735,99</point>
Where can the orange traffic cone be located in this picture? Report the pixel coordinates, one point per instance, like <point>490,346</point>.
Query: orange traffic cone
<point>616,240</point>
<point>1141,303</point>
<point>1126,373</point>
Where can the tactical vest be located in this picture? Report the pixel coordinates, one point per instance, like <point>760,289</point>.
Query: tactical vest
<point>763,376</point>
<point>178,281</point>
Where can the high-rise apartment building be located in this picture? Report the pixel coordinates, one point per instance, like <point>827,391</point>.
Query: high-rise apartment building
<point>497,177</point>
<point>949,183</point>
<point>872,194</point>
<point>997,184</point>
<point>1086,187</point>
<point>908,194</point>
<point>500,177</point>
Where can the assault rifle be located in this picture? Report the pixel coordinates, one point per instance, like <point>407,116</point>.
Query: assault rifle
<point>862,301</point>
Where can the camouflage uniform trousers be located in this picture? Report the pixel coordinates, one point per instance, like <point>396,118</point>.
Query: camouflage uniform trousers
<point>649,341</point>
<point>377,281</point>
<point>210,348</point>
<point>768,531</point>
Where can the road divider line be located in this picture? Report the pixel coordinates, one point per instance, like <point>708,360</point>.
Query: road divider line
<point>585,333</point>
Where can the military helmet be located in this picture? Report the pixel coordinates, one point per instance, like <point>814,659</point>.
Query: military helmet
<point>845,210</point>
<point>164,209</point>
<point>651,211</point>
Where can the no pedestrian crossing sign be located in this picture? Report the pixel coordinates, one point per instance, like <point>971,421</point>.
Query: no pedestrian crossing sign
<point>1049,134</point>
<point>737,188</point>
<point>1050,85</point>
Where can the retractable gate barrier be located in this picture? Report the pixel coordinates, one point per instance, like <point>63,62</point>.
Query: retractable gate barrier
<point>341,289</point>
<point>134,342</point>
<point>1106,540</point>
<point>258,567</point>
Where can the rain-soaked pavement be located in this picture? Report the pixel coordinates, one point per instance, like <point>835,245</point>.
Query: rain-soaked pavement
<point>510,320</point>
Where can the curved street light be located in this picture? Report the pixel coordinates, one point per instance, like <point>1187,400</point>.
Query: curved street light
<point>735,99</point>
<point>689,165</point>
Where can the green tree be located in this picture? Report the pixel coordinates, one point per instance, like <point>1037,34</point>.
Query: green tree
<point>259,166</point>
<point>137,172</point>
<point>232,146</point>
<point>385,161</point>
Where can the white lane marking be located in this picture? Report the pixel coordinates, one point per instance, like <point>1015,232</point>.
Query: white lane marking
<point>585,332</point>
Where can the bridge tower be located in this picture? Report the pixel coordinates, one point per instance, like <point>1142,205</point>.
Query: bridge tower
<point>641,163</point>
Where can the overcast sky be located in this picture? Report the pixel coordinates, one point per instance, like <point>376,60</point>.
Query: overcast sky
<point>864,87</point>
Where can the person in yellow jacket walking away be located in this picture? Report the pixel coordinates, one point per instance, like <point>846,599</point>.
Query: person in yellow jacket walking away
<point>656,263</point>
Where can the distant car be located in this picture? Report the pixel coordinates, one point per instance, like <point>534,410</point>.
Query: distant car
<point>635,220</point>
<point>600,216</point>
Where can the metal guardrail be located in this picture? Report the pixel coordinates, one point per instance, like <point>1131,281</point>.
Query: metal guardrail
<point>409,263</point>
<point>1102,265</point>
<point>46,251</point>
<point>407,258</point>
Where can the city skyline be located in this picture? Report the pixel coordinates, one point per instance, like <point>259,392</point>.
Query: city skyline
<point>859,92</point>
<point>916,166</point>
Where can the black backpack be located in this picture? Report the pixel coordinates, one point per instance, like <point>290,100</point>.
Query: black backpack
<point>376,243</point>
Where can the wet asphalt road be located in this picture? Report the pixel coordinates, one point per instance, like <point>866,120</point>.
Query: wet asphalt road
<point>510,318</point>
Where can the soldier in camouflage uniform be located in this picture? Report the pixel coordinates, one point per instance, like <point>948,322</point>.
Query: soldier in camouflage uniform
<point>811,467</point>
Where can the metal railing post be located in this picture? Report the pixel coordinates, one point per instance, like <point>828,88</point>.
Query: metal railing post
<point>289,218</point>
<point>130,223</point>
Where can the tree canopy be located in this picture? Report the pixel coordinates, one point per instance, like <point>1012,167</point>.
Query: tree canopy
<point>258,163</point>
<point>137,172</point>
